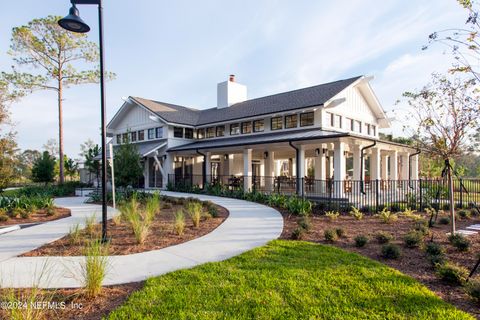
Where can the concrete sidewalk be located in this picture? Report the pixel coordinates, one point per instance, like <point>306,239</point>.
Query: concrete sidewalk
<point>15,243</point>
<point>249,225</point>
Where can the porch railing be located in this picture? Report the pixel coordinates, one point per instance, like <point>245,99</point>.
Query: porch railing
<point>368,195</point>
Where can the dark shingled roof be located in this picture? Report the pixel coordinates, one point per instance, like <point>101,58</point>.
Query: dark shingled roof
<point>286,101</point>
<point>243,140</point>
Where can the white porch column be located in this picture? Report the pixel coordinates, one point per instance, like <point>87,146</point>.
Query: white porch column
<point>414,168</point>
<point>375,164</point>
<point>167,169</point>
<point>208,167</point>
<point>269,170</point>
<point>405,168</point>
<point>384,171</point>
<point>300,162</point>
<point>339,170</point>
<point>247,169</point>
<point>393,165</point>
<point>146,172</point>
<point>357,162</point>
<point>321,165</point>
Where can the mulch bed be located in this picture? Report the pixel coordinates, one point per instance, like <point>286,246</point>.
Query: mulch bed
<point>413,262</point>
<point>122,240</point>
<point>38,217</point>
<point>76,305</point>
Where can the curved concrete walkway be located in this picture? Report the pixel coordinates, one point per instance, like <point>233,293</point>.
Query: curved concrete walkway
<point>248,226</point>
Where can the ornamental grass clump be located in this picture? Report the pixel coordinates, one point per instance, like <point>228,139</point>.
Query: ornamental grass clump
<point>179,222</point>
<point>152,207</point>
<point>74,235</point>
<point>195,210</point>
<point>356,213</point>
<point>94,268</point>
<point>330,235</point>
<point>90,226</point>
<point>387,216</point>
<point>332,215</point>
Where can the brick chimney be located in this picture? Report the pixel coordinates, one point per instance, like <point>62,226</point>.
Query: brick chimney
<point>230,92</point>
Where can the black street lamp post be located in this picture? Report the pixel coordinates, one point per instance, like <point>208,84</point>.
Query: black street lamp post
<point>74,23</point>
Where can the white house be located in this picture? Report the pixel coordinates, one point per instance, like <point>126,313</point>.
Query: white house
<point>331,127</point>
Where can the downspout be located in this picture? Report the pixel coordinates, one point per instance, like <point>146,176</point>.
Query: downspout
<point>362,187</point>
<point>204,167</point>
<point>297,167</point>
<point>410,165</point>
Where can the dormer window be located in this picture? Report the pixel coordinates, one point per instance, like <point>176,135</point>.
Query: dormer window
<point>291,121</point>
<point>141,135</point>
<point>306,119</point>
<point>177,132</point>
<point>159,132</point>
<point>201,133</point>
<point>247,127</point>
<point>234,129</point>
<point>276,123</point>
<point>211,132</point>
<point>220,131</point>
<point>151,134</point>
<point>133,136</point>
<point>188,133</point>
<point>258,126</point>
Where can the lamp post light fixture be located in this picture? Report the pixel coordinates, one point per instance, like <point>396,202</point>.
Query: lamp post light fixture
<point>72,22</point>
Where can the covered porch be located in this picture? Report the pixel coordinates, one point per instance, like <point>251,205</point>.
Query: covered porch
<point>340,166</point>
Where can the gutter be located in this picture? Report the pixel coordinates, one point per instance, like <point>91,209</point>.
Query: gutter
<point>409,166</point>
<point>362,186</point>
<point>204,167</point>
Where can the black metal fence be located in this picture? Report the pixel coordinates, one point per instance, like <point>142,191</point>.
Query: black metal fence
<point>368,195</point>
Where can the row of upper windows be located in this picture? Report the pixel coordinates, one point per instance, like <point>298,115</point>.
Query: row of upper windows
<point>153,133</point>
<point>276,123</point>
<point>336,121</point>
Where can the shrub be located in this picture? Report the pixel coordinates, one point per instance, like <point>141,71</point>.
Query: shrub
<point>298,206</point>
<point>464,214</point>
<point>391,251</point>
<point>305,223</point>
<point>195,210</point>
<point>422,227</point>
<point>407,212</point>
<point>387,216</point>
<point>360,241</point>
<point>95,267</point>
<point>332,215</point>
<point>212,209</point>
<point>444,220</point>
<point>50,210</point>
<point>3,216</point>
<point>74,235</point>
<point>356,213</point>
<point>383,237</point>
<point>330,235</point>
<point>434,249</point>
<point>413,239</point>
<point>473,289</point>
<point>179,222</point>
<point>460,242</point>
<point>340,232</point>
<point>452,273</point>
<point>25,213</point>
<point>436,260</point>
<point>298,233</point>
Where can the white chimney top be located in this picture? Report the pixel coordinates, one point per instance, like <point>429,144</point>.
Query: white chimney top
<point>230,92</point>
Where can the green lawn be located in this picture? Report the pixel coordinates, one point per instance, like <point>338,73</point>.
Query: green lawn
<point>287,280</point>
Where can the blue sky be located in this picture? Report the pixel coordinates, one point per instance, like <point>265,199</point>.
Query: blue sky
<point>177,51</point>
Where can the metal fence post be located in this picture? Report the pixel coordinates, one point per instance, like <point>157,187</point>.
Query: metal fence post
<point>461,192</point>
<point>303,187</point>
<point>377,199</point>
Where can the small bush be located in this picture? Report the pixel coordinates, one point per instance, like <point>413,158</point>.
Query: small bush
<point>195,210</point>
<point>413,239</point>
<point>407,212</point>
<point>391,251</point>
<point>330,235</point>
<point>332,215</point>
<point>95,267</point>
<point>340,232</point>
<point>464,214</point>
<point>444,220</point>
<point>434,249</point>
<point>387,216</point>
<point>298,233</point>
<point>383,237</point>
<point>212,210</point>
<point>305,223</point>
<point>422,227</point>
<point>460,242</point>
<point>452,273</point>
<point>360,241</point>
<point>436,260</point>
<point>179,223</point>
<point>356,213</point>
<point>473,289</point>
